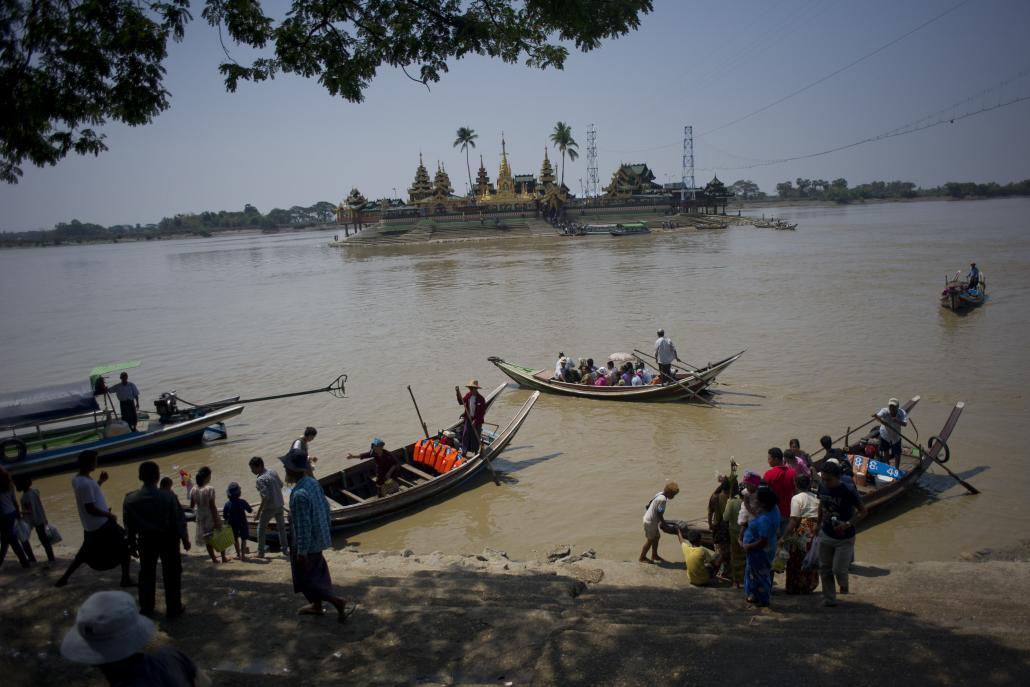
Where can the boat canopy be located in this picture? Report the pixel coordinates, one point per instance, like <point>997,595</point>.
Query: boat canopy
<point>101,370</point>
<point>46,403</point>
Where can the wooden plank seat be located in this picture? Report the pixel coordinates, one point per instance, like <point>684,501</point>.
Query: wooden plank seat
<point>415,471</point>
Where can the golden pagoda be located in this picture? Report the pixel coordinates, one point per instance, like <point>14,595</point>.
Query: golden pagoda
<point>506,193</point>
<point>546,174</point>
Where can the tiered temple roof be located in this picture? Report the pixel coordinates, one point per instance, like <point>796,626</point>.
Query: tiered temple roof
<point>442,183</point>
<point>630,180</point>
<point>546,172</point>
<point>422,187</point>
<point>483,185</point>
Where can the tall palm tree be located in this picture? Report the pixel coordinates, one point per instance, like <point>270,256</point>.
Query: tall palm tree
<point>562,139</point>
<point>466,139</point>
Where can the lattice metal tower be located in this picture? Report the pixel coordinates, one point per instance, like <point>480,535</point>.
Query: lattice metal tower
<point>592,179</point>
<point>688,158</point>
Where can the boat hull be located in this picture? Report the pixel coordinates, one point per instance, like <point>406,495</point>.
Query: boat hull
<point>164,438</point>
<point>691,386</point>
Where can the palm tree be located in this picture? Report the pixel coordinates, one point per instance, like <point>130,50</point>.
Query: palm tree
<point>466,139</point>
<point>562,139</point>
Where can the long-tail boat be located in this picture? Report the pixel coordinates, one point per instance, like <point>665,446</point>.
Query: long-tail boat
<point>352,493</point>
<point>687,385</point>
<point>957,297</point>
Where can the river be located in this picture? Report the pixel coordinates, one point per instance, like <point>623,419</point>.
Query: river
<point>836,318</point>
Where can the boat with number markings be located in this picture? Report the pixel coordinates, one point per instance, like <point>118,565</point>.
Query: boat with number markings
<point>687,386</point>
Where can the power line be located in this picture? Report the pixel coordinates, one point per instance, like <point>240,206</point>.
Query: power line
<point>836,72</point>
<point>881,137</point>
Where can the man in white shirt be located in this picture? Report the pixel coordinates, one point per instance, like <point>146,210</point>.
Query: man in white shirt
<point>270,487</point>
<point>128,399</point>
<point>654,516</point>
<point>665,354</point>
<point>893,419</point>
<point>103,541</point>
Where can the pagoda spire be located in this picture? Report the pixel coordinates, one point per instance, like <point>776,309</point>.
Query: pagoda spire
<point>546,172</point>
<point>482,180</point>
<point>505,182</point>
<point>422,186</point>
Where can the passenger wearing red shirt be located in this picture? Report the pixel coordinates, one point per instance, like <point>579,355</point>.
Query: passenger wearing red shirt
<point>780,479</point>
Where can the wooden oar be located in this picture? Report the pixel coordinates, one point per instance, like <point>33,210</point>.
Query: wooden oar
<point>424,428</point>
<point>909,405</point>
<point>655,361</point>
<point>673,380</point>
<point>969,487</point>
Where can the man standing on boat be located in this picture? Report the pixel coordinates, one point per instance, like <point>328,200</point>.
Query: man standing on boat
<point>973,276</point>
<point>128,399</point>
<point>665,354</point>
<point>300,446</point>
<point>893,418</point>
<point>474,414</point>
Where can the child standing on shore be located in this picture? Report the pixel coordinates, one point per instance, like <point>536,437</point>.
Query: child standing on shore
<point>235,514</point>
<point>654,516</point>
<point>33,513</point>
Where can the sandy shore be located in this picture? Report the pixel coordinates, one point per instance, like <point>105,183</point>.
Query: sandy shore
<point>487,620</point>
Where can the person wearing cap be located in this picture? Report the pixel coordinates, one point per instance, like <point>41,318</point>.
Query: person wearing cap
<point>973,276</point>
<point>270,487</point>
<point>665,354</point>
<point>111,635</point>
<point>234,512</point>
<point>893,419</point>
<point>559,367</point>
<point>151,517</point>
<point>387,462</point>
<point>474,414</point>
<point>128,400</point>
<point>309,518</point>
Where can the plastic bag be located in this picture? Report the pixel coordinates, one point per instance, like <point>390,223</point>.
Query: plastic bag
<point>811,561</point>
<point>22,529</point>
<point>52,534</point>
<point>222,539</point>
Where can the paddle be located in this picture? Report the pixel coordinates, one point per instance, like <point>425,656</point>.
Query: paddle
<point>419,412</point>
<point>969,487</point>
<point>655,360</point>
<point>673,380</point>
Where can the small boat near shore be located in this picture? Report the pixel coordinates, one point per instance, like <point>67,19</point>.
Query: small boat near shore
<point>687,385</point>
<point>957,297</point>
<point>629,229</point>
<point>352,493</point>
<point>48,427</point>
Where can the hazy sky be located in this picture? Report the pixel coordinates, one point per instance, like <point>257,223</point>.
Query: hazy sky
<point>287,142</point>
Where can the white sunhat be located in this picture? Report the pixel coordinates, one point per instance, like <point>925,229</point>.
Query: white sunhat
<point>108,628</point>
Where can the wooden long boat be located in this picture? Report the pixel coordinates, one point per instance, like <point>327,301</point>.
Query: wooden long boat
<point>958,298</point>
<point>630,229</point>
<point>879,485</point>
<point>352,494</point>
<point>690,383</point>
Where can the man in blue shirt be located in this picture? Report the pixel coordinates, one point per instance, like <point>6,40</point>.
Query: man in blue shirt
<point>973,276</point>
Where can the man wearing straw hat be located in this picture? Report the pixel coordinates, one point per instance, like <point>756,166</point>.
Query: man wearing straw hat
<point>474,406</point>
<point>110,634</point>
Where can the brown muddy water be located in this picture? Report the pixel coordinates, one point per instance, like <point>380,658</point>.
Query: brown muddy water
<point>836,317</point>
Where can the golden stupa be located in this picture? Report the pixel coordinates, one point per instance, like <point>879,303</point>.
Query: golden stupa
<point>506,193</point>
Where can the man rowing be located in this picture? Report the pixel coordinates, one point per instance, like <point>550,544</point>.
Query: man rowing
<point>892,419</point>
<point>665,354</point>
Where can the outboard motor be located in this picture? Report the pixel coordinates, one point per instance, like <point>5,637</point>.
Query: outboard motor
<point>167,406</point>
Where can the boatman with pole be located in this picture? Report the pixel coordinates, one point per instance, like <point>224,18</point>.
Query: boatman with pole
<point>973,277</point>
<point>665,354</point>
<point>128,399</point>
<point>474,414</point>
<point>892,419</point>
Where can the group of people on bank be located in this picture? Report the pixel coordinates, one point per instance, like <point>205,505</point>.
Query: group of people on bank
<point>796,518</point>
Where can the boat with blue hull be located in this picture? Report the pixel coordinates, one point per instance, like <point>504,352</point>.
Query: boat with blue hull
<point>47,428</point>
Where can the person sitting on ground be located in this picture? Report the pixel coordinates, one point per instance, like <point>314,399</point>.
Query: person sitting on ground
<point>702,563</point>
<point>387,462</point>
<point>235,514</point>
<point>654,516</point>
<point>110,634</point>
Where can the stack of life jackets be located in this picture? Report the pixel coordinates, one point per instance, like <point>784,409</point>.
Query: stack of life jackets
<point>437,455</point>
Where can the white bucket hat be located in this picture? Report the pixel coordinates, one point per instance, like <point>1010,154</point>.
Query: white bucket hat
<point>108,628</point>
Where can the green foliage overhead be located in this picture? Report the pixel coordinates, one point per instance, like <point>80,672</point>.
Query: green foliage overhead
<point>69,67</point>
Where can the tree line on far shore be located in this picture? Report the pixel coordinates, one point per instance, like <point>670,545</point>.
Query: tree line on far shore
<point>196,224</point>
<point>838,190</point>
